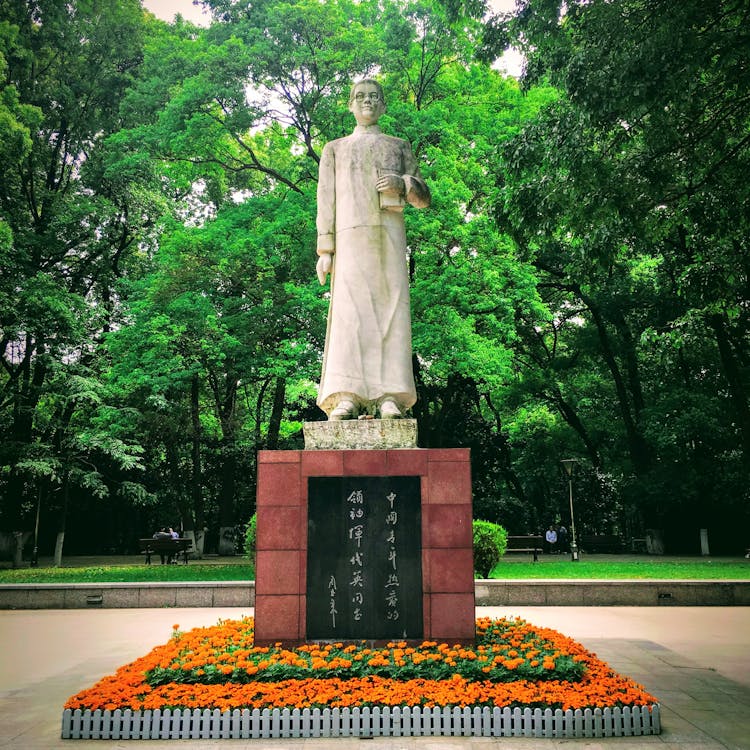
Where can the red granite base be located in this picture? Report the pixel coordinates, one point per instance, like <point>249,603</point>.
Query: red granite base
<point>447,555</point>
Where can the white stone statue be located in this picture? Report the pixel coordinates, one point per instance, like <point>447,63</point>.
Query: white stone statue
<point>365,181</point>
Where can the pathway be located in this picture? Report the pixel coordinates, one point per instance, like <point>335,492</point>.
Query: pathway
<point>696,660</point>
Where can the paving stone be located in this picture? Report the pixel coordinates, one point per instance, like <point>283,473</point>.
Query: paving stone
<point>49,655</point>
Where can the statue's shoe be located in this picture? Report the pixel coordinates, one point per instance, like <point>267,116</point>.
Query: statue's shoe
<point>389,410</point>
<point>344,410</point>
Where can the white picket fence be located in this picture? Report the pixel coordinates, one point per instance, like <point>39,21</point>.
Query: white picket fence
<point>359,722</point>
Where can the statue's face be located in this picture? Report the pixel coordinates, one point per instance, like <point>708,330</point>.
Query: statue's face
<point>366,104</point>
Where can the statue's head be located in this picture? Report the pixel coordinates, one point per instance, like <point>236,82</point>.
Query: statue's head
<point>366,101</point>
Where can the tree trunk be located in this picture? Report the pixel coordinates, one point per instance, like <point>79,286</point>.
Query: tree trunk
<point>570,415</point>
<point>57,562</point>
<point>196,531</point>
<point>733,377</point>
<point>62,522</point>
<point>274,425</point>
<point>654,542</point>
<point>509,474</point>
<point>421,410</point>
<point>227,411</point>
<point>638,449</point>
<point>28,391</point>
<point>226,541</point>
<point>628,352</point>
<point>18,538</point>
<point>226,499</point>
<point>225,395</point>
<point>199,541</point>
<point>182,501</point>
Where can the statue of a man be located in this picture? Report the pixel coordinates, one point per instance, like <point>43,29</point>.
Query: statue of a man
<point>365,181</point>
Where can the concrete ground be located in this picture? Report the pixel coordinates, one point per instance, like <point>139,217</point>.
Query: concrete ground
<point>696,660</point>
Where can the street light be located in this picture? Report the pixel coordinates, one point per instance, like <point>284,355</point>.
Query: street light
<point>569,463</point>
<point>35,553</point>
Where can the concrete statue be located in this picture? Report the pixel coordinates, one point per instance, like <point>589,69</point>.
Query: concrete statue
<point>365,180</point>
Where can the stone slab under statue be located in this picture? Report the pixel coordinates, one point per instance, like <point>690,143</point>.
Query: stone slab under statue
<point>359,434</point>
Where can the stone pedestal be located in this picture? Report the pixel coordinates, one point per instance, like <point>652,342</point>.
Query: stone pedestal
<point>361,434</point>
<point>447,565</point>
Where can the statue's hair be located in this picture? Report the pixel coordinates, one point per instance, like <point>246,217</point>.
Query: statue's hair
<point>371,81</point>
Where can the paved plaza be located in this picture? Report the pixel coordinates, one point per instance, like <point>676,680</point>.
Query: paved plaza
<point>696,660</point>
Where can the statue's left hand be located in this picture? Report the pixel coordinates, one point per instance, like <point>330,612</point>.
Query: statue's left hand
<point>323,268</point>
<point>391,183</point>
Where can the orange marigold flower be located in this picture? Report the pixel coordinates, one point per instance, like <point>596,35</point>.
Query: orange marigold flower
<point>229,645</point>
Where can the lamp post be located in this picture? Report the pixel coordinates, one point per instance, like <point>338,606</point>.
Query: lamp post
<point>35,553</point>
<point>569,463</point>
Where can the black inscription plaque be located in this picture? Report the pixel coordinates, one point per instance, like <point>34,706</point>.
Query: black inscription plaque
<point>364,558</point>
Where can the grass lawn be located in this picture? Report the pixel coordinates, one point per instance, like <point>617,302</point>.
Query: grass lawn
<point>513,566</point>
<point>131,573</point>
<point>606,567</point>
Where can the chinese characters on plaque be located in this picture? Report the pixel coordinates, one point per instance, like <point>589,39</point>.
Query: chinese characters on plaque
<point>364,558</point>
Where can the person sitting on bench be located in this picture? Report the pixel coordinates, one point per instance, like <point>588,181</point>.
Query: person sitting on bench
<point>163,534</point>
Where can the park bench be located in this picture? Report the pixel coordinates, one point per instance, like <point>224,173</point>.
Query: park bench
<point>169,547</point>
<point>593,543</point>
<point>638,545</point>
<point>530,544</point>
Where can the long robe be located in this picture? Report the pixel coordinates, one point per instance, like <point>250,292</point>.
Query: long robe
<point>368,341</point>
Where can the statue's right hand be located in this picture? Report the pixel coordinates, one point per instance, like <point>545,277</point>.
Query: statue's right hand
<point>323,268</point>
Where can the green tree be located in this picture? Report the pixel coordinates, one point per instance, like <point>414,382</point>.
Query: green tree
<point>242,111</point>
<point>222,326</point>
<point>627,196</point>
<point>68,227</point>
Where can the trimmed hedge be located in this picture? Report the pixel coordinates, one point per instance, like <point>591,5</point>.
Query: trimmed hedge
<point>490,541</point>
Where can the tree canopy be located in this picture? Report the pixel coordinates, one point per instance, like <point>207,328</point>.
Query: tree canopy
<point>580,284</point>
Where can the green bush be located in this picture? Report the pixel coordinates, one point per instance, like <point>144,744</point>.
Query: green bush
<point>250,532</point>
<point>490,541</point>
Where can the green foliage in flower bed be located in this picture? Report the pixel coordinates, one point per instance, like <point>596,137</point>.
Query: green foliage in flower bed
<point>505,651</point>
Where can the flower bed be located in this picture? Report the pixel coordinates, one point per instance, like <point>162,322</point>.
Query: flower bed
<point>513,666</point>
